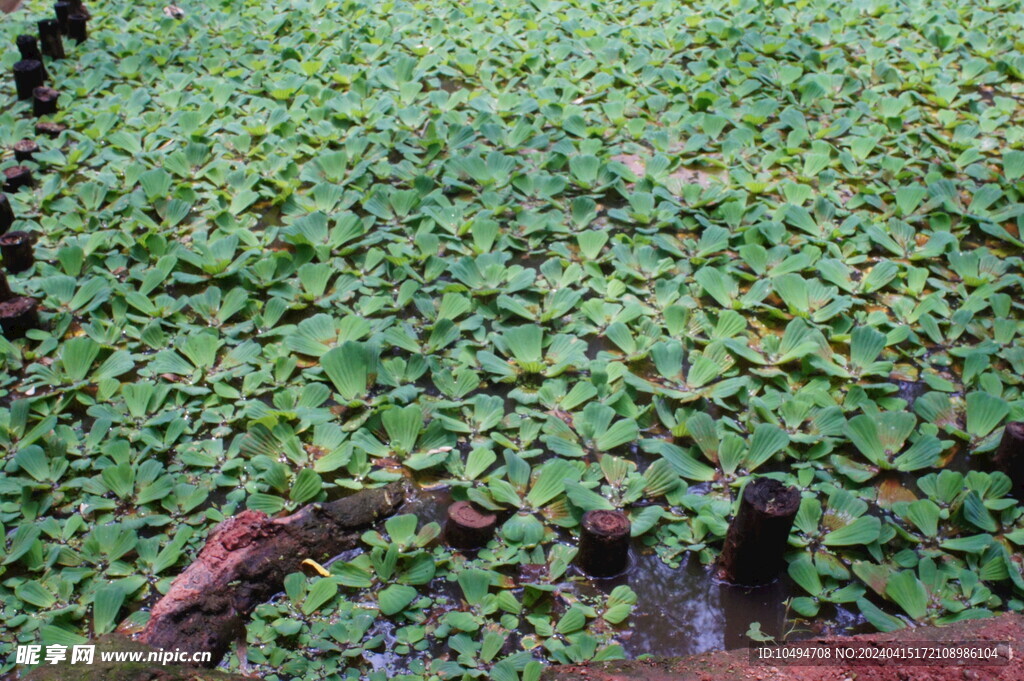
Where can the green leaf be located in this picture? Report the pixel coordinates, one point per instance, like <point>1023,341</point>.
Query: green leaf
<point>863,530</point>
<point>347,367</point>
<point>395,598</point>
<point>322,591</point>
<point>106,605</point>
<point>306,487</point>
<point>909,593</point>
<point>475,584</point>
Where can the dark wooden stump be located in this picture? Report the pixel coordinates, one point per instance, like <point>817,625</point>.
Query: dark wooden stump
<point>50,129</point>
<point>62,10</point>
<point>17,177</point>
<point>245,561</point>
<point>18,315</point>
<point>1009,457</point>
<point>24,150</point>
<point>49,39</point>
<point>5,289</point>
<point>16,249</point>
<point>28,46</point>
<point>28,75</point>
<point>44,101</point>
<point>755,545</point>
<point>468,526</point>
<point>604,543</point>
<point>6,214</point>
<point>78,27</point>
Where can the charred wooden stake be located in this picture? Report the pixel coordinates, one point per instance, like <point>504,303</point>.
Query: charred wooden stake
<point>18,315</point>
<point>16,249</point>
<point>77,27</point>
<point>49,39</point>
<point>44,101</point>
<point>28,46</point>
<point>50,129</point>
<point>755,545</point>
<point>604,543</point>
<point>1009,458</point>
<point>28,75</point>
<point>62,10</point>
<point>5,289</point>
<point>6,214</point>
<point>17,177</point>
<point>468,526</point>
<point>24,150</point>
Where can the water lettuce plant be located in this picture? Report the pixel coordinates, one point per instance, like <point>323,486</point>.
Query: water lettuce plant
<point>544,255</point>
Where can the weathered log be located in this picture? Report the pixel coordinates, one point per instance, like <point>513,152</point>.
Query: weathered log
<point>468,526</point>
<point>245,561</point>
<point>1009,457</point>
<point>604,543</point>
<point>755,545</point>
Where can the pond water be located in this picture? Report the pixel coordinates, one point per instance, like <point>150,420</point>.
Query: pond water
<point>679,611</point>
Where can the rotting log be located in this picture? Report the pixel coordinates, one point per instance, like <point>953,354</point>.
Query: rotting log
<point>755,544</point>
<point>1009,457</point>
<point>245,561</point>
<point>604,543</point>
<point>468,526</point>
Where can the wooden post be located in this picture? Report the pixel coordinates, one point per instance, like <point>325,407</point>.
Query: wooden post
<point>50,129</point>
<point>6,214</point>
<point>28,75</point>
<point>28,46</point>
<point>62,10</point>
<point>77,27</point>
<point>604,543</point>
<point>17,177</point>
<point>469,527</point>
<point>50,40</point>
<point>755,545</point>
<point>16,249</point>
<point>24,150</point>
<point>5,289</point>
<point>44,101</point>
<point>18,315</point>
<point>1009,457</point>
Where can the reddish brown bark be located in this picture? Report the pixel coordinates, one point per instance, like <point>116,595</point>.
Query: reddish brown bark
<point>245,561</point>
<point>755,545</point>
